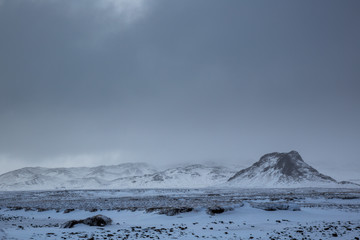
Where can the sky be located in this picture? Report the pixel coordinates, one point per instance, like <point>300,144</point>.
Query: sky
<point>90,82</point>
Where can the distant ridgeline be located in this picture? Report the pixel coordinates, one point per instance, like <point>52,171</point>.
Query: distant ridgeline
<point>272,170</point>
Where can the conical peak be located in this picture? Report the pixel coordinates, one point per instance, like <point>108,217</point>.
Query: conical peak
<point>280,169</point>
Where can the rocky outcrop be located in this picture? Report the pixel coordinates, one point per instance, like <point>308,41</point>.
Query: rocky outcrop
<point>170,211</point>
<point>218,210</point>
<point>273,206</point>
<point>98,220</point>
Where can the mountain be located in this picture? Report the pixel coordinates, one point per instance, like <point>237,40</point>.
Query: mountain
<point>190,176</point>
<point>36,178</point>
<point>282,170</point>
<point>272,170</point>
<point>128,175</point>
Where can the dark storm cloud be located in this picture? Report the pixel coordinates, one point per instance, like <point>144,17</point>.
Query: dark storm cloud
<point>180,80</point>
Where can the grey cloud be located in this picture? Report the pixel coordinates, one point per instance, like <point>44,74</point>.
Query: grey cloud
<point>186,81</point>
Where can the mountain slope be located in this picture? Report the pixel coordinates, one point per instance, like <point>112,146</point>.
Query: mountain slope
<point>281,170</point>
<point>36,178</point>
<point>191,176</point>
<point>129,175</point>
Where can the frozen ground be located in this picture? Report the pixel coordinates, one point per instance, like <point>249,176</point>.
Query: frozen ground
<point>136,214</point>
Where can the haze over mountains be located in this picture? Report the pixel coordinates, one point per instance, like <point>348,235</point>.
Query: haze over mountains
<point>272,170</point>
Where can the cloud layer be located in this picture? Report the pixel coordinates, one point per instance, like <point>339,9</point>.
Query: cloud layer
<point>167,82</point>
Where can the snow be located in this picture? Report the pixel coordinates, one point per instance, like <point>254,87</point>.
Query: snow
<point>285,170</point>
<point>121,176</point>
<point>324,212</point>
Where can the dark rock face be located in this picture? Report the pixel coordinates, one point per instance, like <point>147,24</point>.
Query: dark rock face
<point>288,163</point>
<point>98,220</point>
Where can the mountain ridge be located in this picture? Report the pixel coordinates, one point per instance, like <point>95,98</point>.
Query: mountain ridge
<point>127,175</point>
<point>272,170</point>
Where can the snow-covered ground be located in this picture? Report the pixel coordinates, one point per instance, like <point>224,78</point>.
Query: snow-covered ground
<point>324,214</point>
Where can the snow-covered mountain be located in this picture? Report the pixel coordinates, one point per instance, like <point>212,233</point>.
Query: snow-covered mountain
<point>33,178</point>
<point>190,176</point>
<point>272,170</point>
<point>282,170</point>
<point>129,175</point>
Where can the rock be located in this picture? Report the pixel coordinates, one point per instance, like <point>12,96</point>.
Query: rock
<point>98,220</point>
<point>169,211</point>
<point>15,208</point>
<point>68,210</point>
<point>217,210</point>
<point>267,206</point>
<point>175,211</point>
<point>70,224</point>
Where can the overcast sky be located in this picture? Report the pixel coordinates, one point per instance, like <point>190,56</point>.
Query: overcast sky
<point>92,82</point>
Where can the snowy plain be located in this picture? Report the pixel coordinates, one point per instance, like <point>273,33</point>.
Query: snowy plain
<point>136,214</point>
